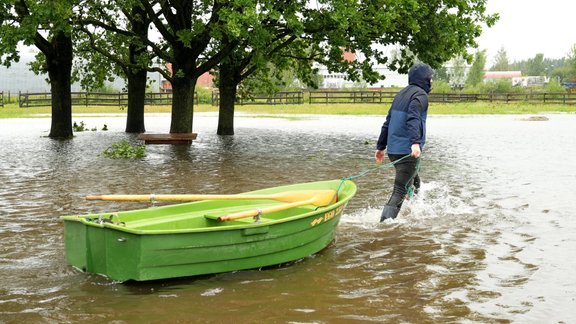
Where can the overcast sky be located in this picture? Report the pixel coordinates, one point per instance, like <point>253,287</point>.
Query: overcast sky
<point>529,27</point>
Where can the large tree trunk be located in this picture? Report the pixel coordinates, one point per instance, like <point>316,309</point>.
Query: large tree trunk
<point>137,77</point>
<point>182,104</point>
<point>136,98</point>
<point>227,87</point>
<point>59,65</point>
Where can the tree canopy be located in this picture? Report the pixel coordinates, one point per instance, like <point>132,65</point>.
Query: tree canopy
<point>48,26</point>
<point>194,37</point>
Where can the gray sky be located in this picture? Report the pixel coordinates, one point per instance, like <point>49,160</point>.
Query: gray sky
<point>529,27</point>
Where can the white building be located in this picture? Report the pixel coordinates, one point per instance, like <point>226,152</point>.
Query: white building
<point>338,80</point>
<point>19,78</point>
<point>457,73</point>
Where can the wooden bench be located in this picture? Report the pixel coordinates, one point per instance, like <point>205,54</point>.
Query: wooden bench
<point>173,138</point>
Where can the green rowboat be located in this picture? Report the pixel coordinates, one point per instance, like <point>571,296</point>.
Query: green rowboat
<point>221,233</point>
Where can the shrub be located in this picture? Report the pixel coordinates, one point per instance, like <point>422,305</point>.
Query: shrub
<point>555,87</point>
<point>124,150</point>
<point>441,87</point>
<point>204,95</point>
<point>497,86</point>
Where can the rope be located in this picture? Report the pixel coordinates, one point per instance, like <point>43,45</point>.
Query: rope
<point>384,166</point>
<point>409,186</point>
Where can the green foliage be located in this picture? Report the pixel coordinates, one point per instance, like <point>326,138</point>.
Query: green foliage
<point>124,150</point>
<point>554,87</point>
<point>535,66</point>
<point>81,127</point>
<point>21,21</point>
<point>106,88</point>
<point>293,35</point>
<point>204,95</point>
<point>500,61</point>
<point>497,86</point>
<point>569,66</point>
<point>441,74</point>
<point>441,87</point>
<point>476,73</point>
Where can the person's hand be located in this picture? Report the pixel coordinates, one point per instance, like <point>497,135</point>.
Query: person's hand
<point>415,150</point>
<point>379,156</point>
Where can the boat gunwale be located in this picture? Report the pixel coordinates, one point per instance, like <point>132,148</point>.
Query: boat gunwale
<point>264,221</point>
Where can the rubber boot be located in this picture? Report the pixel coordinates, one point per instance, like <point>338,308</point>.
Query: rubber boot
<point>389,212</point>
<point>416,184</point>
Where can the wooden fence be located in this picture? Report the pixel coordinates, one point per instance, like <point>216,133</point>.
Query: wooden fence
<point>347,97</point>
<point>298,97</point>
<point>278,98</point>
<point>94,99</point>
<point>532,98</point>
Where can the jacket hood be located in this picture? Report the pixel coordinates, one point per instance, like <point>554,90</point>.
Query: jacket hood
<point>420,74</point>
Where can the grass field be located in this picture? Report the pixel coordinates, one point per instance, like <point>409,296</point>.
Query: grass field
<point>13,111</point>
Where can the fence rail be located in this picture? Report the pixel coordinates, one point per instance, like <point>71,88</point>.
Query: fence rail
<point>298,97</point>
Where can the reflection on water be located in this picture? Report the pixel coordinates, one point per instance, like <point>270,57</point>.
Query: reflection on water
<point>489,238</point>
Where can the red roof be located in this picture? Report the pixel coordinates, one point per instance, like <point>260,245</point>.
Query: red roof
<point>502,74</point>
<point>206,80</point>
<point>349,56</point>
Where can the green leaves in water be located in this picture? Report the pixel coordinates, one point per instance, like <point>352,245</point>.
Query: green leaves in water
<point>124,150</point>
<point>81,127</point>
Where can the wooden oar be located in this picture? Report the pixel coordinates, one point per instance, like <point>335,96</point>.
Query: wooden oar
<point>260,211</point>
<point>318,197</point>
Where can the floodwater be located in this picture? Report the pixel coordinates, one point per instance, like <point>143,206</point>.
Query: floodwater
<point>490,238</point>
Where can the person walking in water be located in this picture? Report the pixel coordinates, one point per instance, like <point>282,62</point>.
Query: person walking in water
<point>403,135</point>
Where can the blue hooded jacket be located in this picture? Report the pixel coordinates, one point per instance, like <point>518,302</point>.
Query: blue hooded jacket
<point>406,120</point>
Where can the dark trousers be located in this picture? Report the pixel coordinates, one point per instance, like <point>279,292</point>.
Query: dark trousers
<point>406,176</point>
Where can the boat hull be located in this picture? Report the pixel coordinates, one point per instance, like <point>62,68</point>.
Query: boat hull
<point>179,240</point>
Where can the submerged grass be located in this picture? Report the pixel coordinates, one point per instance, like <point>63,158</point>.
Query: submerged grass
<point>473,108</point>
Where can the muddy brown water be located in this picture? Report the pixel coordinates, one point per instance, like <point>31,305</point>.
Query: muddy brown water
<point>490,238</point>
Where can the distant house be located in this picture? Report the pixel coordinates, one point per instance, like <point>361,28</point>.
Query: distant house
<point>499,75</point>
<point>331,80</point>
<point>338,80</point>
<point>457,72</point>
<point>530,81</point>
<point>206,80</point>
<point>516,78</point>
